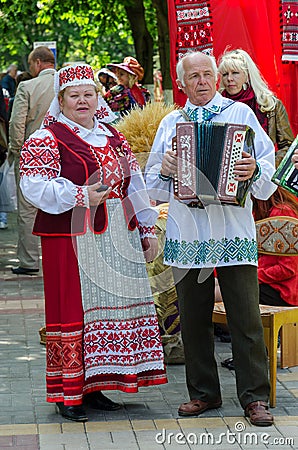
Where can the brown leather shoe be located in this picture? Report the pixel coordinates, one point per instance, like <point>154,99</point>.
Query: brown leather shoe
<point>197,407</point>
<point>258,414</point>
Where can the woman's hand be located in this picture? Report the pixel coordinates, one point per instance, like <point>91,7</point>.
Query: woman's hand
<point>96,198</point>
<point>150,248</point>
<point>245,167</point>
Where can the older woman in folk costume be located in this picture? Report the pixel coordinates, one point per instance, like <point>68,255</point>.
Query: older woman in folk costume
<point>102,330</point>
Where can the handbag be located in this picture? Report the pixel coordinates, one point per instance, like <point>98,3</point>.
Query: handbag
<point>8,197</point>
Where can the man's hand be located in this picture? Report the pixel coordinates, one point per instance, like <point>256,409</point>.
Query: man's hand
<point>150,248</point>
<point>96,198</point>
<point>245,167</point>
<point>169,164</point>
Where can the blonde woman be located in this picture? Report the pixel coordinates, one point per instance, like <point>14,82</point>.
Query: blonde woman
<point>241,80</point>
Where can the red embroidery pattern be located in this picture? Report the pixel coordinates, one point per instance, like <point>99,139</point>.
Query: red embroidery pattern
<point>40,156</point>
<point>65,371</point>
<point>194,30</point>
<point>126,343</point>
<point>110,170</point>
<point>78,72</point>
<point>133,163</point>
<point>146,231</point>
<point>101,113</point>
<point>289,30</point>
<point>48,120</point>
<point>80,197</point>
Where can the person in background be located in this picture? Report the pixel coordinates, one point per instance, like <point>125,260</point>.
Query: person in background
<point>8,82</point>
<point>3,148</point>
<point>107,78</point>
<point>221,236</point>
<point>278,275</point>
<point>241,80</point>
<point>30,105</point>
<point>95,220</point>
<point>128,93</point>
<point>23,76</point>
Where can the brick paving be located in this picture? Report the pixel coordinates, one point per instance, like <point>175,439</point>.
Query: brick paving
<point>148,420</point>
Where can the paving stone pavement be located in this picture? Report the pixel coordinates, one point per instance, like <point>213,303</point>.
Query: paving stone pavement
<point>148,420</point>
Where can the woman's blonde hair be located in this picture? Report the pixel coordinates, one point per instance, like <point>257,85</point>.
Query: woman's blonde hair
<point>241,61</point>
<point>132,79</point>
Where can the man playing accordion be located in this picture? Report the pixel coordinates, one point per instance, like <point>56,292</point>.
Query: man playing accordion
<point>220,236</point>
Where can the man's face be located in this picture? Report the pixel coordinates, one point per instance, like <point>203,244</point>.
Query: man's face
<point>199,79</point>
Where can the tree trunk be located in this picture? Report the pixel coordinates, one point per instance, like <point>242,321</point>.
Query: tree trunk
<point>143,41</point>
<point>161,7</point>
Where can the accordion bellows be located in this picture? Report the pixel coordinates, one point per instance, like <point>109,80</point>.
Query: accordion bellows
<point>207,153</point>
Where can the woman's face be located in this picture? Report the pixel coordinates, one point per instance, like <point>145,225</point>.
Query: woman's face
<point>123,77</point>
<point>79,104</point>
<point>233,81</point>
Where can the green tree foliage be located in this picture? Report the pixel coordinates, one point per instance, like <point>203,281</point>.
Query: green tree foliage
<point>95,31</point>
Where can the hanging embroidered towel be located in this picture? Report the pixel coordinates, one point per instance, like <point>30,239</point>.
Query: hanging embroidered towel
<point>194,30</point>
<point>289,30</point>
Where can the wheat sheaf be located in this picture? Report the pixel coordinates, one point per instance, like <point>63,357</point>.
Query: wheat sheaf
<point>139,126</point>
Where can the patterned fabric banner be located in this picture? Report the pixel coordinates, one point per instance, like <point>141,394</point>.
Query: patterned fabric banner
<point>289,30</point>
<point>194,27</point>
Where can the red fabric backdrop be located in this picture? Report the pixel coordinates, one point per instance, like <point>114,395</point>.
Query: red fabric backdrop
<point>254,26</point>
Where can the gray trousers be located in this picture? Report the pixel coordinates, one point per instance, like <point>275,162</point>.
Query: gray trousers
<point>239,288</point>
<point>28,245</point>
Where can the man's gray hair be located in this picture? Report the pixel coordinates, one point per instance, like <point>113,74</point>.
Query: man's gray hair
<point>180,66</point>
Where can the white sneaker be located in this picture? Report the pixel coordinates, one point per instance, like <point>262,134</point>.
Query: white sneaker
<point>3,225</point>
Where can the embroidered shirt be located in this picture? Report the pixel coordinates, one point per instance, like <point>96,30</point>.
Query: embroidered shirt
<point>42,185</point>
<point>218,235</point>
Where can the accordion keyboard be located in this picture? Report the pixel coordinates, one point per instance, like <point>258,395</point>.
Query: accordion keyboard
<point>237,148</point>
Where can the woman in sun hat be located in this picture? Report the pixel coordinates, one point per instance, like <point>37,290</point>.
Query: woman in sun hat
<point>128,93</point>
<point>94,219</point>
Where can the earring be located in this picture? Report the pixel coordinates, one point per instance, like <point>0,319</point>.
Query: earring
<point>244,86</point>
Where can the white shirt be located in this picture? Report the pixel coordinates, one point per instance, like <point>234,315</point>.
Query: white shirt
<point>218,235</point>
<point>43,187</point>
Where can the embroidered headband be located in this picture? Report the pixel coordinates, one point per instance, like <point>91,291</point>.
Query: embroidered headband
<point>76,75</point>
<point>73,76</point>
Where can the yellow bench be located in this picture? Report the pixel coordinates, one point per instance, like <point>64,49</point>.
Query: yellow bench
<point>273,318</point>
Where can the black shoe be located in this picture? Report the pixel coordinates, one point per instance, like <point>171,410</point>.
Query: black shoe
<point>75,413</point>
<point>24,271</point>
<point>96,400</point>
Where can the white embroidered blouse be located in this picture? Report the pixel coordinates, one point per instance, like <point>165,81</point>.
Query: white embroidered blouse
<point>43,187</point>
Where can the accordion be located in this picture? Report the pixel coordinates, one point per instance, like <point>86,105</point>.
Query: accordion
<point>286,175</point>
<point>206,156</point>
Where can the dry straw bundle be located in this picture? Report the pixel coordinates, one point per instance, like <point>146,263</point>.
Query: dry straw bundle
<point>139,127</point>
